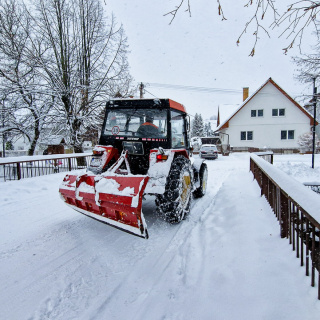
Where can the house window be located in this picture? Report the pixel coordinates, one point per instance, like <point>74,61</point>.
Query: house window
<point>246,135</point>
<point>259,112</point>
<point>278,112</point>
<point>287,134</point>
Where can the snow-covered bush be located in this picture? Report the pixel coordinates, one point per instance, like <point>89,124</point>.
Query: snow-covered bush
<point>305,141</point>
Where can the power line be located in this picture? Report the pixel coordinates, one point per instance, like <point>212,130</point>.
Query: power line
<point>150,93</point>
<point>193,88</point>
<point>205,89</point>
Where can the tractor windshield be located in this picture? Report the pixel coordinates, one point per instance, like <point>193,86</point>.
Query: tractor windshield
<point>136,123</point>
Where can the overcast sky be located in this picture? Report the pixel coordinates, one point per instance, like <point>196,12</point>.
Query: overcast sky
<point>201,51</point>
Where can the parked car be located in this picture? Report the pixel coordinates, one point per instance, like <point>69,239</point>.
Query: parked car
<point>208,151</point>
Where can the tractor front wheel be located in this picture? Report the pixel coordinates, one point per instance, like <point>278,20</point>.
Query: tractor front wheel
<point>175,203</point>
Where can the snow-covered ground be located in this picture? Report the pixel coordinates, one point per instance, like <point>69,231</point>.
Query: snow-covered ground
<point>226,261</point>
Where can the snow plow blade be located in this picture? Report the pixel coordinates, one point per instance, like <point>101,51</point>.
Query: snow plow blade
<point>112,199</point>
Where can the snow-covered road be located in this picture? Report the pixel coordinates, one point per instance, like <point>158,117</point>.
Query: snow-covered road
<point>226,261</point>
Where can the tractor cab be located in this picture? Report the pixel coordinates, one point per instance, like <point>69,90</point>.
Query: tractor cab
<point>138,126</point>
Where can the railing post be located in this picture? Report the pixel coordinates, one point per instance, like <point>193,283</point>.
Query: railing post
<point>302,234</point>
<point>283,215</point>
<point>307,246</point>
<point>69,164</point>
<point>278,204</point>
<point>264,185</point>
<point>313,254</point>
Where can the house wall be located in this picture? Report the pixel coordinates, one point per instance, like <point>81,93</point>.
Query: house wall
<point>267,129</point>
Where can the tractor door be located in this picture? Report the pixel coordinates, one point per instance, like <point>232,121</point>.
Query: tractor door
<point>179,137</point>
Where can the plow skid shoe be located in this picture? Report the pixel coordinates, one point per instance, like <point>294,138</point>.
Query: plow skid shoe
<point>113,199</point>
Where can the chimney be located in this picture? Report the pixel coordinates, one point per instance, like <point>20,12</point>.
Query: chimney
<point>245,93</point>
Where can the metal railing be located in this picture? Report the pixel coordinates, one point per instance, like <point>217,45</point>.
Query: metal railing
<point>267,155</point>
<point>314,186</point>
<point>33,166</point>
<point>293,213</point>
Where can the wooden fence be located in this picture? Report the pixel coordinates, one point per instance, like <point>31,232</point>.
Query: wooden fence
<point>297,209</point>
<point>33,166</point>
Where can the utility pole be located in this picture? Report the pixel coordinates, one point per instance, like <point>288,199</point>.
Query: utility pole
<point>314,120</point>
<point>141,87</point>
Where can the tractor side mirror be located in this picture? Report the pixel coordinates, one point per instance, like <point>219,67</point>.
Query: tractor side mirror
<point>188,123</point>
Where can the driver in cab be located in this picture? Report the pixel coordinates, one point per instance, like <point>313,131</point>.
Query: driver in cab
<point>148,129</point>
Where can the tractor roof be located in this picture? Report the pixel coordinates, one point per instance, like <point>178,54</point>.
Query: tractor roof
<point>147,103</point>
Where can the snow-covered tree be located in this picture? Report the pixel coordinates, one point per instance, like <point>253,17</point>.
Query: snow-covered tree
<point>197,129</point>
<point>82,61</point>
<point>9,145</point>
<point>60,61</point>
<point>23,106</point>
<point>207,129</point>
<point>305,141</point>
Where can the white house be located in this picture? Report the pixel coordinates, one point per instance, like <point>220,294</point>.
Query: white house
<point>268,119</point>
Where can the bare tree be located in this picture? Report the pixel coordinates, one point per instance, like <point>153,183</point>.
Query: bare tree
<point>293,20</point>
<point>18,82</point>
<point>81,59</point>
<point>308,65</point>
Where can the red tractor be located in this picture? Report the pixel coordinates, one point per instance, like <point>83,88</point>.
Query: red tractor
<point>143,149</point>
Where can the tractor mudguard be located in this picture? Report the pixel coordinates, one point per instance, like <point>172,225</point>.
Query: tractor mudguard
<point>196,166</point>
<point>159,168</point>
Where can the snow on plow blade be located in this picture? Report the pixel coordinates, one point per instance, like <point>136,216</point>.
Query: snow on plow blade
<point>113,199</point>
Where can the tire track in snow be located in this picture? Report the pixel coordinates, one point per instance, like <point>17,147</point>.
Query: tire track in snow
<point>192,246</point>
<point>173,257</point>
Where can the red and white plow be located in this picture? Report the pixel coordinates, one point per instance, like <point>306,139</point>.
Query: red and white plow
<point>112,198</point>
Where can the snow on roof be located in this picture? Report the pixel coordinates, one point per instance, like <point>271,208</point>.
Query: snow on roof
<point>54,140</point>
<point>225,111</point>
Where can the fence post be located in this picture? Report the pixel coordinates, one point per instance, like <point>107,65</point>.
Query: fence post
<point>18,171</point>
<point>69,164</point>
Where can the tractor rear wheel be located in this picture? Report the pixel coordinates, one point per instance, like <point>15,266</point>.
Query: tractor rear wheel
<point>175,203</point>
